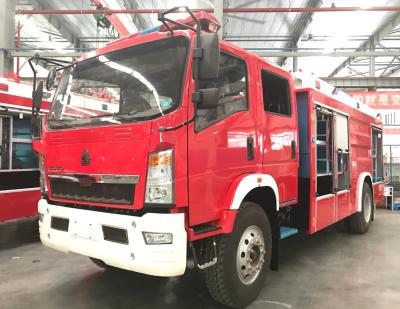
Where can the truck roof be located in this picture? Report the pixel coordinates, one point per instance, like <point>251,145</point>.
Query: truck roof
<point>210,24</point>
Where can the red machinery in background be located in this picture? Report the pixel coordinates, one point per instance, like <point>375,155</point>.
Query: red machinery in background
<point>19,166</point>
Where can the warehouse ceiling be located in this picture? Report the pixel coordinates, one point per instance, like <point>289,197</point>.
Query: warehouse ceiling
<point>320,32</point>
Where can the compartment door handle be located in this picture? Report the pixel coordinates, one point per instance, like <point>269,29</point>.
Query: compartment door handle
<point>293,144</point>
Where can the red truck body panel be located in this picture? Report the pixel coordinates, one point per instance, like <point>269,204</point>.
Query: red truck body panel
<point>19,192</point>
<point>331,208</point>
<point>18,204</point>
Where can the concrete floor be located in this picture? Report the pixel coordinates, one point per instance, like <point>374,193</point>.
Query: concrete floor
<point>331,269</point>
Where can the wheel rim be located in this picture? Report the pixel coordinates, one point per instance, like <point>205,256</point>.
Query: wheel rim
<point>367,207</point>
<point>250,255</point>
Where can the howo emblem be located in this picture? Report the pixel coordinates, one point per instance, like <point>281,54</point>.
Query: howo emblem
<point>85,159</point>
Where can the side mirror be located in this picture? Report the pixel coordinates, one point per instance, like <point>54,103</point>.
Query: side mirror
<point>209,63</point>
<point>209,98</point>
<point>51,79</point>
<point>36,128</point>
<point>37,97</point>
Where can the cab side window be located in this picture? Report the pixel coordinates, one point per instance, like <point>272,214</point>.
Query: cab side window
<point>232,86</point>
<point>276,93</point>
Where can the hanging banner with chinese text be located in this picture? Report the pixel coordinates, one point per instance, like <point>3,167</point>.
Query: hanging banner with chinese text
<point>378,99</point>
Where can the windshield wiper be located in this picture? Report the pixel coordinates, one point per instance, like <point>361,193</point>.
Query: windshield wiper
<point>104,115</point>
<point>127,115</point>
<point>62,122</point>
<point>124,116</point>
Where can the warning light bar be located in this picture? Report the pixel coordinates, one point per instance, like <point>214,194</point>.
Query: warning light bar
<point>208,23</point>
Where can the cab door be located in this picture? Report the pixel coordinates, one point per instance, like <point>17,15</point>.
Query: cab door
<point>5,128</point>
<point>342,170</point>
<point>221,141</point>
<point>323,211</point>
<point>279,131</point>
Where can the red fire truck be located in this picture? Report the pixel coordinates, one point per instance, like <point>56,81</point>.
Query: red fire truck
<point>210,153</point>
<point>19,166</point>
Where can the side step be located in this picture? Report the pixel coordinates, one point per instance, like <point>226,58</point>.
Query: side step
<point>205,228</point>
<point>288,231</point>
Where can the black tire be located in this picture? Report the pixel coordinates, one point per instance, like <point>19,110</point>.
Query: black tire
<point>359,224</point>
<point>343,226</point>
<point>101,264</point>
<point>224,278</point>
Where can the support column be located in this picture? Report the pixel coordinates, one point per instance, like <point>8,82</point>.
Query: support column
<point>295,64</point>
<point>372,59</point>
<point>295,59</point>
<point>372,44</point>
<point>7,30</point>
<point>77,43</point>
<point>219,14</point>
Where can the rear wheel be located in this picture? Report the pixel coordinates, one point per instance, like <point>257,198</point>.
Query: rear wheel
<point>243,259</point>
<point>360,222</point>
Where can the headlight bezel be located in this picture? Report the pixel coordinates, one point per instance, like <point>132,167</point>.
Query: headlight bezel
<point>151,182</point>
<point>42,178</point>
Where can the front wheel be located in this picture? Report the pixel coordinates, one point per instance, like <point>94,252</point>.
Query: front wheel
<point>360,222</point>
<point>243,259</point>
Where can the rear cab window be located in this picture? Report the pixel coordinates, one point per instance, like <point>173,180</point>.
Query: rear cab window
<point>276,93</point>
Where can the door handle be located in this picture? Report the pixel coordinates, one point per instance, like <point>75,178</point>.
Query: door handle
<point>293,144</point>
<point>250,148</point>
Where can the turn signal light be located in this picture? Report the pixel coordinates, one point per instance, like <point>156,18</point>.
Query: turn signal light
<point>160,159</point>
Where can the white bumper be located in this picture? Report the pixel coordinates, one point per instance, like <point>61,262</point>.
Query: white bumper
<point>85,236</point>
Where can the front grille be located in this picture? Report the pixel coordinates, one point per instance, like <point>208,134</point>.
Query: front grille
<point>96,192</point>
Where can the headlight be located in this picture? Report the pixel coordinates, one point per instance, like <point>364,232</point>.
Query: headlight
<point>157,238</point>
<point>160,178</point>
<point>43,185</point>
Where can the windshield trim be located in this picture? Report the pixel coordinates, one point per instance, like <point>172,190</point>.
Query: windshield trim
<point>113,121</point>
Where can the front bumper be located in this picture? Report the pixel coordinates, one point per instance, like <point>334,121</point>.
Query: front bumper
<point>84,236</point>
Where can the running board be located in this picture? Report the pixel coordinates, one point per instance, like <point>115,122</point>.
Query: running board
<point>205,228</point>
<point>288,231</point>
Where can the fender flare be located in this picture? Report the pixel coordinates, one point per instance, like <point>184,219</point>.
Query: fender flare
<point>360,182</point>
<point>244,184</point>
<point>238,190</point>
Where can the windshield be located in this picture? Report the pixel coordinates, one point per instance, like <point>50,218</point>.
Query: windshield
<point>132,84</point>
